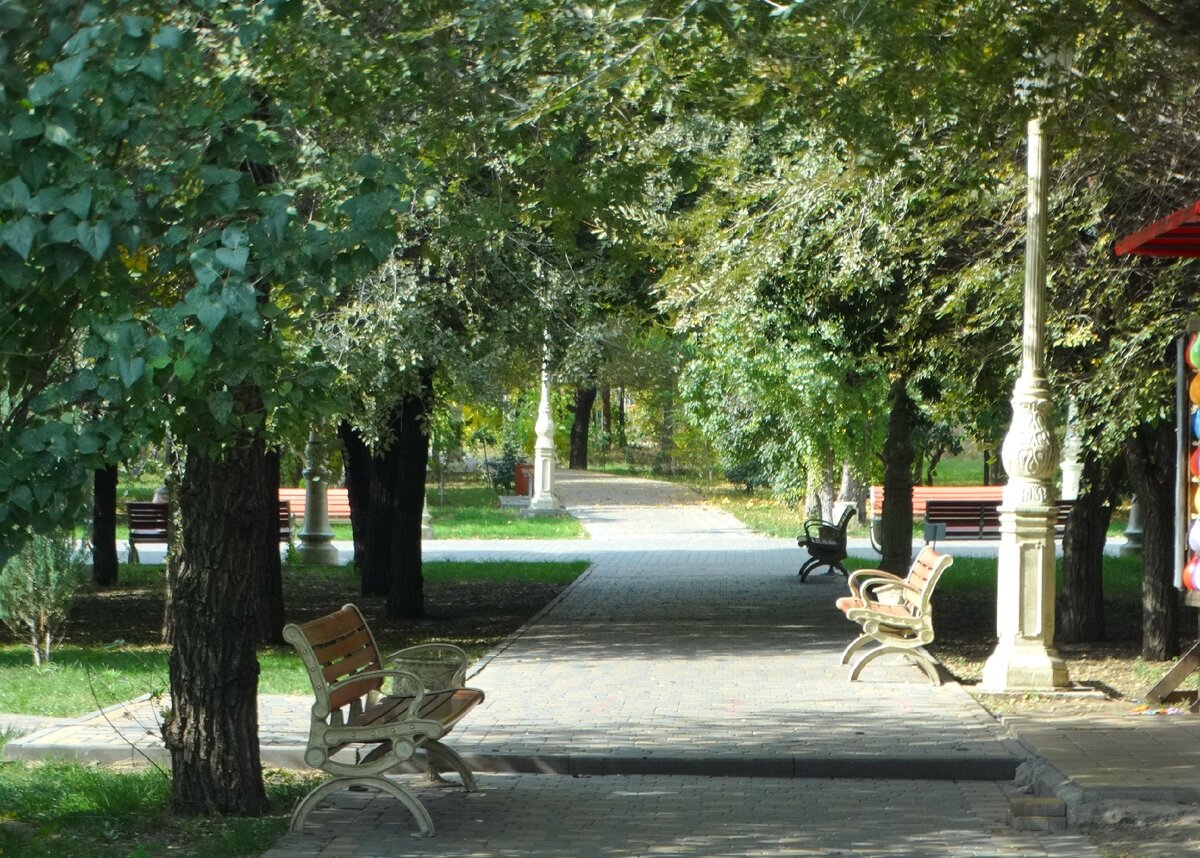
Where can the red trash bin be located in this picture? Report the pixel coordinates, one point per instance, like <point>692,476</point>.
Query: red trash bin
<point>523,477</point>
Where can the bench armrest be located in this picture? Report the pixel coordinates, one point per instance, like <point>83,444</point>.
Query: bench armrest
<point>876,577</point>
<point>439,665</point>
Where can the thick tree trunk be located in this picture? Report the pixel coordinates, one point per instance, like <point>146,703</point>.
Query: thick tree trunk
<point>357,461</point>
<point>664,460</point>
<point>1081,604</point>
<point>897,538</point>
<point>387,499</point>
<point>212,732</point>
<point>270,613</point>
<point>1150,457</point>
<point>585,397</point>
<point>854,489</point>
<point>104,527</point>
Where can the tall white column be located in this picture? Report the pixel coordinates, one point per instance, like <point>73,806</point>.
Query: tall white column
<point>1024,658</point>
<point>316,537</point>
<point>543,499</point>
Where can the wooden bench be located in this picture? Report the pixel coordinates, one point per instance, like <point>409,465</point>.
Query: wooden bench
<point>150,521</point>
<point>826,544</point>
<point>894,612</point>
<point>976,519</point>
<point>338,501</point>
<point>386,728</point>
<point>921,495</point>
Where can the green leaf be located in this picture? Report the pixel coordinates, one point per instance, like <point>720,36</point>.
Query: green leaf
<point>80,202</point>
<point>233,259</point>
<point>185,370</point>
<point>152,66</point>
<point>220,403</point>
<point>47,200</point>
<point>14,194</point>
<point>43,89</point>
<point>21,497</point>
<point>168,37</point>
<point>130,369</point>
<point>204,266</point>
<point>69,69</point>
<point>25,126</point>
<point>211,314</point>
<point>58,135</point>
<point>19,235</point>
<point>94,238</point>
<point>62,228</point>
<point>89,442</point>
<point>137,25</point>
<point>233,236</point>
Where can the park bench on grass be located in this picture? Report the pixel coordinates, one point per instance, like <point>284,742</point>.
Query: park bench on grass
<point>386,728</point>
<point>894,612</point>
<point>826,544</point>
<point>337,501</point>
<point>975,519</point>
<point>150,521</point>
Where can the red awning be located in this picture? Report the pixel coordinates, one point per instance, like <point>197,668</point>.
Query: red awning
<point>1176,235</point>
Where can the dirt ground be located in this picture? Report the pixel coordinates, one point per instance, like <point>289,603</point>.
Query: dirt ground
<point>965,638</point>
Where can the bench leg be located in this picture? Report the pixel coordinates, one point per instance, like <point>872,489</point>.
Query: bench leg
<point>133,555</point>
<point>920,659</point>
<point>855,645</point>
<point>809,565</point>
<point>400,792</point>
<point>439,758</point>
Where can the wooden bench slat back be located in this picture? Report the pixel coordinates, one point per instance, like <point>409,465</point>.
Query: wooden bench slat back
<point>922,494</point>
<point>923,577</point>
<point>342,645</point>
<point>148,517</point>
<point>337,500</point>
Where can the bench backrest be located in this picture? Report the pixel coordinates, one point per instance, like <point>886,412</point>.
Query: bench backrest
<point>334,648</point>
<point>148,518</point>
<point>337,499</point>
<point>923,577</point>
<point>923,494</point>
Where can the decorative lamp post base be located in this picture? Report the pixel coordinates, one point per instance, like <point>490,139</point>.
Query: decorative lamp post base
<point>317,552</point>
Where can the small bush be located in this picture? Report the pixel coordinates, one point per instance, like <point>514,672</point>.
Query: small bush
<point>36,587</point>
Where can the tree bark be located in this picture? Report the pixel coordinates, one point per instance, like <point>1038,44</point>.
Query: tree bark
<point>387,499</point>
<point>1081,603</point>
<point>827,487</point>
<point>854,489</point>
<point>104,527</point>
<point>212,732</point>
<point>270,614</point>
<point>897,537</point>
<point>664,460</point>
<point>357,460</point>
<point>1150,458</point>
<point>585,397</point>
<point>606,416</point>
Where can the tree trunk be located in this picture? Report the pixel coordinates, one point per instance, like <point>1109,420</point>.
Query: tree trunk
<point>104,527</point>
<point>664,460</point>
<point>1081,603</point>
<point>854,489</point>
<point>212,732</point>
<point>1150,457</point>
<point>387,499</point>
<point>826,487</point>
<point>585,397</point>
<point>606,416</point>
<point>270,613</point>
<point>897,537</point>
<point>357,461</point>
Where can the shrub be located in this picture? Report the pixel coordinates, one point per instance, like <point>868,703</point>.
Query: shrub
<point>36,586</point>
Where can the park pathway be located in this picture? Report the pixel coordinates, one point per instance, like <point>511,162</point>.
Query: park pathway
<point>685,697</point>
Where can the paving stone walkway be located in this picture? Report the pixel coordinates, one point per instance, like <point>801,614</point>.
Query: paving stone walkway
<point>689,650</point>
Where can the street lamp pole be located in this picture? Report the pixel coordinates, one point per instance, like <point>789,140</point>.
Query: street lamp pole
<point>1025,658</point>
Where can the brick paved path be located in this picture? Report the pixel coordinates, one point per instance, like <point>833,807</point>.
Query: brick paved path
<point>689,649</point>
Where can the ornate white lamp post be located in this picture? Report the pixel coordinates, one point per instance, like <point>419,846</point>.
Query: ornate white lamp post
<point>1024,658</point>
<point>544,500</point>
<point>316,537</point>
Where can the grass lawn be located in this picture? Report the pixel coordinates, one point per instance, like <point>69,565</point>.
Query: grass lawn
<point>112,653</point>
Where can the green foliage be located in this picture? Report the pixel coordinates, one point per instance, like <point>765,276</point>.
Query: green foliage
<point>36,586</point>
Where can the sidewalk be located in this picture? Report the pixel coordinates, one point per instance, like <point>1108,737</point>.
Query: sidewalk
<point>685,697</point>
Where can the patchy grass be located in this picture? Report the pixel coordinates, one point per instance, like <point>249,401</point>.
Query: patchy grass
<point>114,653</point>
<point>474,512</point>
<point>85,811</point>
